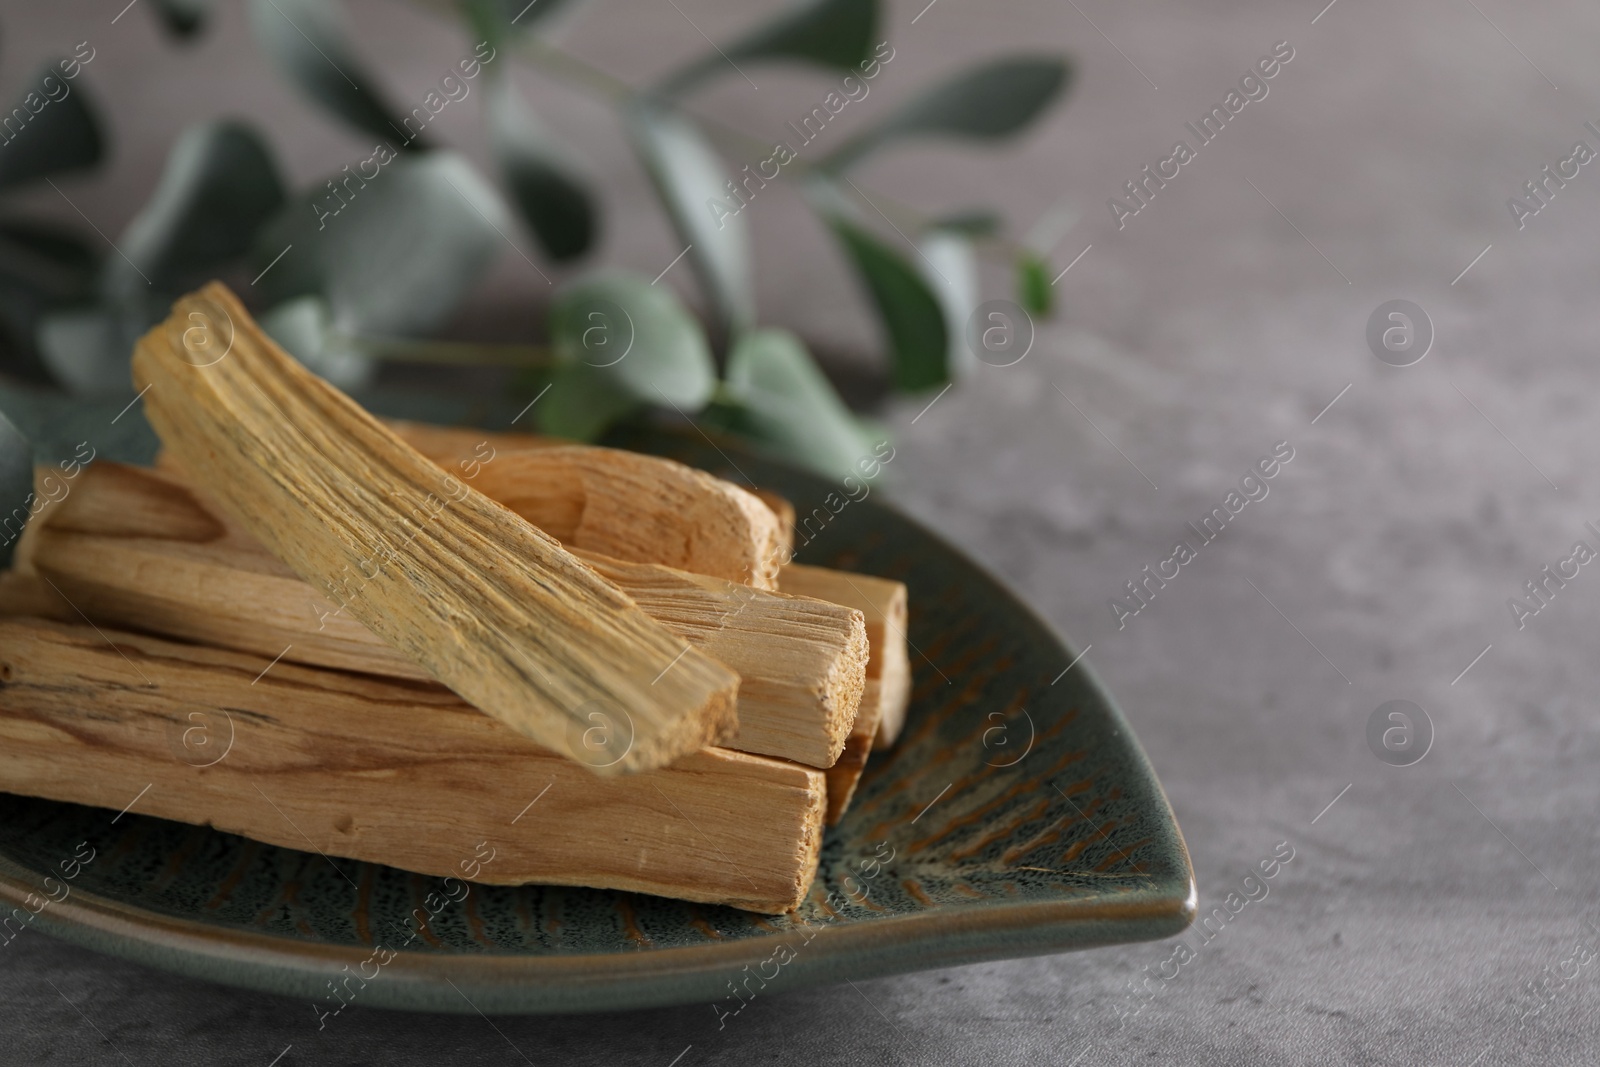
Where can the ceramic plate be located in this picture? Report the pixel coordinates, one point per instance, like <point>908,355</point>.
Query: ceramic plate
<point>1017,816</point>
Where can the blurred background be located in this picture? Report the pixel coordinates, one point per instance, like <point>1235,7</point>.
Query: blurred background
<point>1431,899</point>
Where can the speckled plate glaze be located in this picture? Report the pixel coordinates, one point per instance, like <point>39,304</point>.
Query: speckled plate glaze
<point>1020,813</point>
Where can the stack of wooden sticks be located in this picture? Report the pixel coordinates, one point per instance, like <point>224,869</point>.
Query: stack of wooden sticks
<point>391,642</point>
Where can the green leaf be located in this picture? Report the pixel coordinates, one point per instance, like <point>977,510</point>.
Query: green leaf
<point>976,223</point>
<point>45,259</point>
<point>582,402</point>
<point>51,130</point>
<point>43,266</point>
<point>1034,291</point>
<point>86,350</point>
<point>620,343</point>
<point>305,39</point>
<point>691,181</point>
<point>987,103</point>
<point>394,251</point>
<point>220,185</point>
<point>786,403</point>
<point>829,33</point>
<point>919,341</point>
<point>497,20</point>
<point>303,327</point>
<point>554,204</point>
<point>182,18</point>
<point>951,270</point>
<point>16,486</point>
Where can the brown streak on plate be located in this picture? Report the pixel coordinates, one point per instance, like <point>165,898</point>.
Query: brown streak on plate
<point>192,841</point>
<point>248,854</point>
<point>697,919</point>
<point>985,840</point>
<point>475,921</point>
<point>1124,855</point>
<point>880,797</point>
<point>1048,835</point>
<point>424,928</point>
<point>553,927</point>
<point>630,922</point>
<point>131,839</point>
<point>978,814</point>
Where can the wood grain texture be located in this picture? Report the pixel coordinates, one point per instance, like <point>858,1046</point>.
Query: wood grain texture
<point>802,662</point>
<point>846,772</point>
<point>783,511</point>
<point>381,771</point>
<point>643,509</point>
<point>883,603</point>
<point>472,592</point>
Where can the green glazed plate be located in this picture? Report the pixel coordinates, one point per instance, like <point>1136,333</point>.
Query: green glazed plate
<point>1017,816</point>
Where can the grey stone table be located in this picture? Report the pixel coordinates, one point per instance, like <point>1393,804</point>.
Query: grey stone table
<point>1224,317</point>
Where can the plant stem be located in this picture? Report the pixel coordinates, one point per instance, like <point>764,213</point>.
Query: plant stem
<point>579,72</point>
<point>457,353</point>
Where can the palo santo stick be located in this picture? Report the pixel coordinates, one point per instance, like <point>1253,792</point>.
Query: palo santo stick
<point>802,662</point>
<point>483,600</point>
<point>784,512</point>
<point>845,774</point>
<point>385,772</point>
<point>643,509</point>
<point>23,593</point>
<point>883,602</point>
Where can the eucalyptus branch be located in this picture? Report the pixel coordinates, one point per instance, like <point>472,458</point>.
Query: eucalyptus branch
<point>453,353</point>
<point>578,72</point>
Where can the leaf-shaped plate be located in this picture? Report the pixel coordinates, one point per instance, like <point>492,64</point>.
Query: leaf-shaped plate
<point>1022,817</point>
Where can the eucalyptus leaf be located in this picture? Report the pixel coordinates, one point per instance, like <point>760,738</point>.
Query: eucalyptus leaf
<point>43,265</point>
<point>303,327</point>
<point>51,130</point>
<point>305,39</point>
<point>44,259</point>
<point>986,103</point>
<point>974,223</point>
<point>911,313</point>
<point>829,33</point>
<point>220,185</point>
<point>951,270</point>
<point>788,404</point>
<point>635,340</point>
<point>1034,291</point>
<point>497,20</point>
<point>182,18</point>
<point>555,205</point>
<point>86,350</point>
<point>396,252</point>
<point>16,486</point>
<point>582,402</point>
<point>694,188</point>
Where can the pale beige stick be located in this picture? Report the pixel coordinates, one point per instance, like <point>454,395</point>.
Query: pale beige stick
<point>381,771</point>
<point>628,506</point>
<point>24,593</point>
<point>883,602</point>
<point>846,772</point>
<point>802,662</point>
<point>784,512</point>
<point>490,606</point>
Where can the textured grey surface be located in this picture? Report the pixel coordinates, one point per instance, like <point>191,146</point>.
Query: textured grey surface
<point>1418,906</point>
